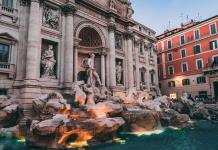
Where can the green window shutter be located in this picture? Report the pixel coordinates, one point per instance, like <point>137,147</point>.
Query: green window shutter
<point>199,63</point>
<point>197,49</point>
<point>182,39</point>
<point>197,35</point>
<point>183,53</point>
<point>170,57</point>
<point>213,29</point>
<point>169,44</point>
<point>198,80</point>
<point>216,45</point>
<point>203,79</point>
<point>211,45</point>
<point>194,49</point>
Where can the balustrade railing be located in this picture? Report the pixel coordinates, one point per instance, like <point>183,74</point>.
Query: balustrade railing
<point>4,66</point>
<point>8,69</point>
<point>8,9</point>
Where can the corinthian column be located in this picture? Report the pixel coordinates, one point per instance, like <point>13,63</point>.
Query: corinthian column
<point>33,46</point>
<point>112,55</point>
<point>103,68</point>
<point>137,64</point>
<point>69,10</point>
<point>130,59</point>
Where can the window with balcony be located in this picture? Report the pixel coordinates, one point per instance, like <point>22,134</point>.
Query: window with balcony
<point>185,82</point>
<point>7,4</point>
<point>213,45</point>
<point>170,56</point>
<point>171,84</point>
<point>183,53</point>
<point>169,44</point>
<point>199,64</point>
<point>4,52</point>
<point>182,39</point>
<point>184,67</point>
<point>118,41</point>
<point>201,80</point>
<point>171,70</point>
<point>213,29</point>
<point>197,49</point>
<point>197,34</point>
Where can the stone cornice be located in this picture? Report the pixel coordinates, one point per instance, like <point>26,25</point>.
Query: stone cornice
<point>106,12</point>
<point>28,2</point>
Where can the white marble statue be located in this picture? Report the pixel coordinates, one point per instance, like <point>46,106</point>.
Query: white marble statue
<point>91,71</point>
<point>48,62</point>
<point>119,70</point>
<point>130,11</point>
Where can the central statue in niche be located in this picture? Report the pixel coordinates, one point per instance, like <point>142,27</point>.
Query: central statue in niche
<point>48,62</point>
<point>92,76</point>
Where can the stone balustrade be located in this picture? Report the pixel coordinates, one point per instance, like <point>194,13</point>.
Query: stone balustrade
<point>9,12</point>
<point>8,69</point>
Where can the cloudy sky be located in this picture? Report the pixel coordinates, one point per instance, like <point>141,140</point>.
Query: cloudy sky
<point>165,14</point>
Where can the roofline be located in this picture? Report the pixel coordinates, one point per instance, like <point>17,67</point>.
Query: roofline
<point>198,23</point>
<point>145,26</point>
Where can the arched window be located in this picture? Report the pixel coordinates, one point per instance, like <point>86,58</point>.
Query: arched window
<point>90,37</point>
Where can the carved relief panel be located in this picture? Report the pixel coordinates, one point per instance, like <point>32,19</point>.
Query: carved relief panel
<point>51,17</point>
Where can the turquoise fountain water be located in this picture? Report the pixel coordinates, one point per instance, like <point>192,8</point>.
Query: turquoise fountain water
<point>204,136</point>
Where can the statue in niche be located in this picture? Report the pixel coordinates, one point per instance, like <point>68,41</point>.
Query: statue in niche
<point>112,4</point>
<point>51,18</point>
<point>130,11</point>
<point>93,77</point>
<point>119,71</point>
<point>48,62</point>
<point>118,41</point>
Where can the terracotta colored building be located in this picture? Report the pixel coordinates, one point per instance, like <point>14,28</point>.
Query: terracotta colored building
<point>188,59</point>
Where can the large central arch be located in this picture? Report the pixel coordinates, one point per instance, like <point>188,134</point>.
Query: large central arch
<point>91,40</point>
<point>93,28</point>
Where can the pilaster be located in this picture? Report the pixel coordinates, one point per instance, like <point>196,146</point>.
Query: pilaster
<point>129,37</point>
<point>112,54</point>
<point>69,9</point>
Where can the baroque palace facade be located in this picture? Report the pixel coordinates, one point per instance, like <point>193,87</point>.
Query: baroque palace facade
<point>43,44</point>
<point>188,59</point>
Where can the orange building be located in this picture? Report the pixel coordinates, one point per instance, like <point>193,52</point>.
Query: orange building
<point>188,59</point>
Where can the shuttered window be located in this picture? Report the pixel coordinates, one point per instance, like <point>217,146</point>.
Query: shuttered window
<point>197,49</point>
<point>186,82</point>
<point>213,45</point>
<point>201,80</point>
<point>213,29</point>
